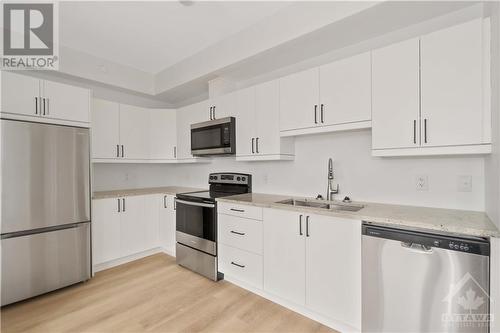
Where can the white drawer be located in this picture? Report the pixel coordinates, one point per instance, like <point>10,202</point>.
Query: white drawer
<point>249,212</point>
<point>244,234</point>
<point>242,265</point>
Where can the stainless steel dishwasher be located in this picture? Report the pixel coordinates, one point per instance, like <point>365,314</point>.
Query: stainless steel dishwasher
<point>423,282</point>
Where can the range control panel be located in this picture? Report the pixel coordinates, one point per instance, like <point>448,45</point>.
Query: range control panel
<point>230,178</point>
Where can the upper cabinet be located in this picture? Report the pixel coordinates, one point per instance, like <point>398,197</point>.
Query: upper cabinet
<point>126,133</point>
<point>187,116</point>
<point>429,94</point>
<point>222,106</point>
<point>332,97</point>
<point>27,98</point>
<point>257,125</point>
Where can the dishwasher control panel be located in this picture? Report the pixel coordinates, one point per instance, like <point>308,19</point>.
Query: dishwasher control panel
<point>410,238</point>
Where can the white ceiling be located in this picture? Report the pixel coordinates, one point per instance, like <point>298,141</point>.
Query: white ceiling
<point>153,35</point>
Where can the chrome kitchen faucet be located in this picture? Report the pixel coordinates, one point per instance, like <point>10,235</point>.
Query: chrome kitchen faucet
<point>333,188</point>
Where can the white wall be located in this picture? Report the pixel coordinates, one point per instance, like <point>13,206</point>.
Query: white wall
<point>492,162</point>
<point>361,176</point>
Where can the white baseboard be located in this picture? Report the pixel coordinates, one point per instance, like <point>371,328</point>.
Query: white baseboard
<point>124,260</point>
<point>336,325</point>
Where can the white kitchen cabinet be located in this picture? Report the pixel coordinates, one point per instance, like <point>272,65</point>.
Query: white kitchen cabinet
<point>241,265</point>
<point>162,134</point>
<point>332,97</point>
<point>20,94</point>
<point>134,132</point>
<point>106,237</point>
<point>28,98</point>
<point>186,116</point>
<point>333,268</point>
<point>65,102</point>
<point>257,133</point>
<point>451,66</point>
<point>167,223</point>
<point>105,129</point>
<point>429,94</point>
<point>222,106</point>
<point>345,90</point>
<point>285,255</point>
<point>299,95</point>
<point>395,77</point>
<point>124,226</point>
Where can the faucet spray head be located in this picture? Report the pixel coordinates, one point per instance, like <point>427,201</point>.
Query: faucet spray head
<point>330,169</point>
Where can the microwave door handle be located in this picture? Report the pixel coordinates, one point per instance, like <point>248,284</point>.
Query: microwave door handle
<point>198,204</point>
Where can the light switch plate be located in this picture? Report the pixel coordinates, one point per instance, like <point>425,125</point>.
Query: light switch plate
<point>464,183</point>
<point>422,183</point>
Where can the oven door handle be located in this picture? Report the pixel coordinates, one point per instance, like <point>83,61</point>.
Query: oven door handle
<point>199,204</point>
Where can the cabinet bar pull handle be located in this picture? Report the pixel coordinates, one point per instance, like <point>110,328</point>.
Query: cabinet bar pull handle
<point>307,226</point>
<point>123,151</point>
<point>117,150</point>
<point>300,225</point>
<point>315,114</point>
<point>321,113</point>
<point>425,130</point>
<point>164,201</point>
<point>214,113</point>
<point>123,204</point>
<point>175,203</point>
<point>43,99</point>
<point>210,113</point>
<point>48,106</point>
<point>175,151</point>
<point>36,105</point>
<point>253,150</point>
<point>237,210</point>
<point>119,210</point>
<point>257,145</point>
<point>415,131</point>
<point>235,264</point>
<point>238,233</point>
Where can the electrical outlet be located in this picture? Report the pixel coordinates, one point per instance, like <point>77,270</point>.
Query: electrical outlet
<point>422,183</point>
<point>265,179</point>
<point>464,183</point>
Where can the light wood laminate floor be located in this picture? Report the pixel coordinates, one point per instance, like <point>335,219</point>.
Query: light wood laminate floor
<point>152,295</point>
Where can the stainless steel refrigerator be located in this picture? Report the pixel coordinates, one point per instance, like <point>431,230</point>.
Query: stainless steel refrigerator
<point>45,208</point>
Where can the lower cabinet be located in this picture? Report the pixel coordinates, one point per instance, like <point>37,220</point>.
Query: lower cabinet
<point>167,223</point>
<point>124,226</point>
<point>314,261</point>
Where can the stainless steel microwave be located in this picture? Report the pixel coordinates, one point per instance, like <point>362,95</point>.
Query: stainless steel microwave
<point>214,137</point>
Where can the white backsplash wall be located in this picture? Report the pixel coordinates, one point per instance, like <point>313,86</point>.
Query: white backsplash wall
<point>361,176</point>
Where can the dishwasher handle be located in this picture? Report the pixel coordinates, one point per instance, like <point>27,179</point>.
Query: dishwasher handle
<point>417,248</point>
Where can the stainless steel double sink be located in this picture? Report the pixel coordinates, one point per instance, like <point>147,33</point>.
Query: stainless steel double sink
<point>340,206</point>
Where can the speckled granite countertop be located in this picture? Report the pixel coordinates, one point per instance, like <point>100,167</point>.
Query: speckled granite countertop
<point>432,219</point>
<point>172,190</point>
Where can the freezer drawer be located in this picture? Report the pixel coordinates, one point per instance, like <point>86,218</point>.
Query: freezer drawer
<point>38,263</point>
<point>45,175</point>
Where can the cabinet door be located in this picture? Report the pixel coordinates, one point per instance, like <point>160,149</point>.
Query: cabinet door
<point>299,96</point>
<point>106,240</point>
<point>134,126</point>
<point>284,255</point>
<point>186,116</point>
<point>452,85</point>
<point>395,84</point>
<point>167,223</point>
<point>225,105</point>
<point>105,129</point>
<point>163,133</point>
<point>345,90</point>
<point>133,233</point>
<point>267,106</point>
<point>19,93</point>
<point>245,122</point>
<point>151,222</point>
<point>65,102</point>
<point>333,268</point>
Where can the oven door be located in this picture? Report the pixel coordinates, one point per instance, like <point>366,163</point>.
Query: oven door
<point>213,137</point>
<point>196,225</point>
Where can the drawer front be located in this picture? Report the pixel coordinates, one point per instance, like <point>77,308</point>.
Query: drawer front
<point>242,265</point>
<point>241,233</point>
<point>249,212</point>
